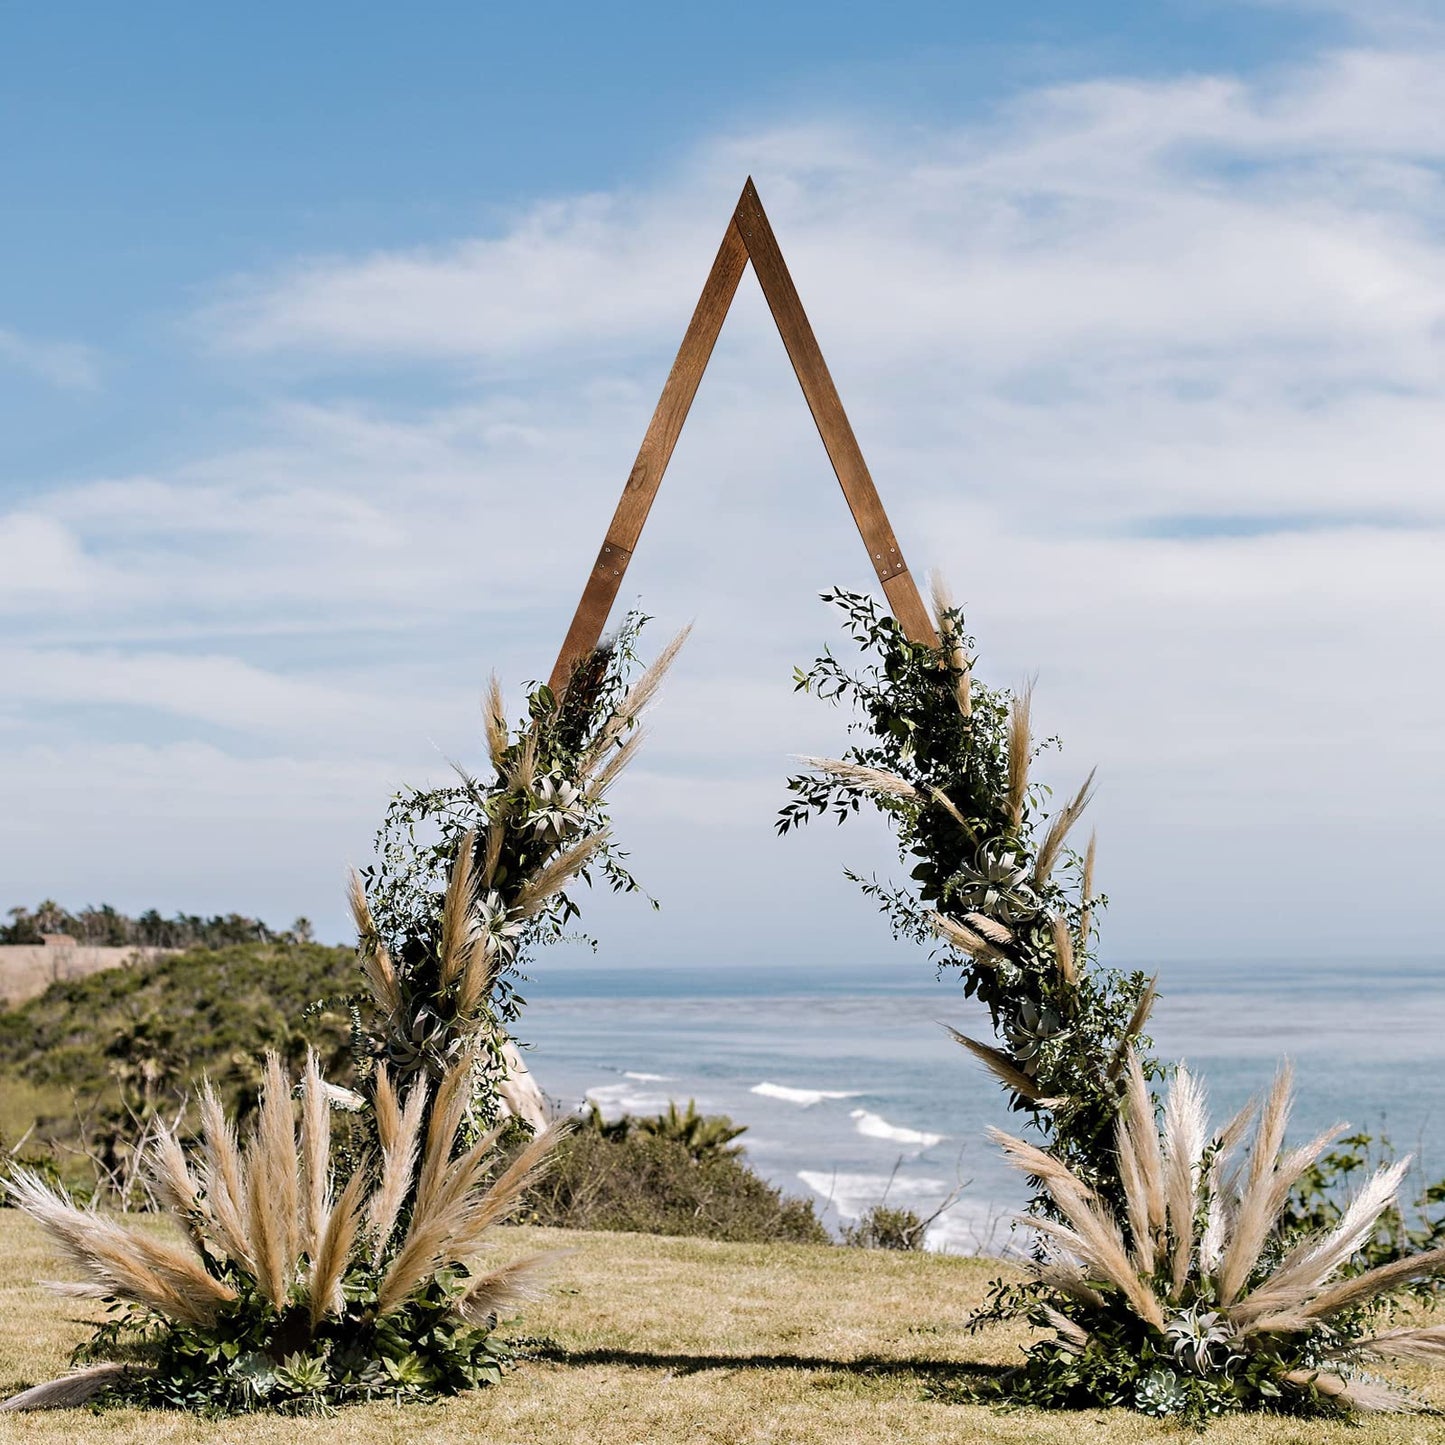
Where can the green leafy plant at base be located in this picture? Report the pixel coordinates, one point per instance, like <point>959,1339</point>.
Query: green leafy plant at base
<point>289,1289</point>
<point>1195,1304</point>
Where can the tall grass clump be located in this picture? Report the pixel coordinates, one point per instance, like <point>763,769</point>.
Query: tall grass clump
<point>307,1271</point>
<point>1194,1301</point>
<point>286,1284</point>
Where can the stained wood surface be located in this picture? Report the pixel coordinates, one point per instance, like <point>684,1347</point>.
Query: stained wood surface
<point>748,236</point>
<point>831,420</point>
<point>653,455</point>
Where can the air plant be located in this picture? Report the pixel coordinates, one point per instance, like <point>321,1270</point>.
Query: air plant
<point>1195,1301</point>
<point>286,1285</point>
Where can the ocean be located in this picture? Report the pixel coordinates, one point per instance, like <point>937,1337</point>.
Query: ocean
<point>852,1092</point>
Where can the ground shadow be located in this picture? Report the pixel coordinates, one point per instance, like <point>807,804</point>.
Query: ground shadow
<point>939,1372</point>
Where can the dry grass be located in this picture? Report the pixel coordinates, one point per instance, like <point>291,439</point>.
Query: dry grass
<point>646,1341</point>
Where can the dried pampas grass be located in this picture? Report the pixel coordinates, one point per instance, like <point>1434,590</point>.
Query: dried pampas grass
<point>1169,1189</point>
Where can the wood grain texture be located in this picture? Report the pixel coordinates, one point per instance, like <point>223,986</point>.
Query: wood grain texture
<point>749,236</point>
<point>653,455</point>
<point>831,420</point>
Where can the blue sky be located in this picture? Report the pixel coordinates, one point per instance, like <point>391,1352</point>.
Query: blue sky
<point>327,334</point>
<point>152,153</point>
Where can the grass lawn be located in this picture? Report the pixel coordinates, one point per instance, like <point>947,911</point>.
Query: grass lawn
<point>671,1342</point>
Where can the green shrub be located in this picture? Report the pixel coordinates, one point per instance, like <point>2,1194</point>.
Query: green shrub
<point>883,1227</point>
<point>647,1183</point>
<point>705,1136</point>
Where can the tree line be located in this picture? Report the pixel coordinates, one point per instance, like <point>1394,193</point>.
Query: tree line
<point>107,926</point>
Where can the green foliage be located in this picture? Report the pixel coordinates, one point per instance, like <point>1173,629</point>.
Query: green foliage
<point>1191,1373</point>
<point>929,725</point>
<point>648,1183</point>
<point>531,829</point>
<point>258,1358</point>
<point>884,1227</point>
<point>108,927</point>
<point>704,1136</point>
<point>1318,1200</point>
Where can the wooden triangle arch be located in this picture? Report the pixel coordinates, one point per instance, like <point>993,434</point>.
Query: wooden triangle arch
<point>749,238</point>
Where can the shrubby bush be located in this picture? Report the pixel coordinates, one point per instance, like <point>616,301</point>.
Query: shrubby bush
<point>884,1227</point>
<point>678,1173</point>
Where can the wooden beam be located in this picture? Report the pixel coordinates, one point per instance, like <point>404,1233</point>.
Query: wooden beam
<point>749,236</point>
<point>653,456</point>
<point>830,418</point>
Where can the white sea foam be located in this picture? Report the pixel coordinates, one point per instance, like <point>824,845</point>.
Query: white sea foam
<point>804,1098</point>
<point>646,1078</point>
<point>626,1099</point>
<point>967,1226</point>
<point>875,1126</point>
<point>852,1195</point>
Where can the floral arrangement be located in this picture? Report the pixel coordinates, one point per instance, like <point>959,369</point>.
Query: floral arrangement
<point>288,1288</point>
<point>1170,1278</point>
<point>947,760</point>
<point>1198,1302</point>
<point>310,1271</point>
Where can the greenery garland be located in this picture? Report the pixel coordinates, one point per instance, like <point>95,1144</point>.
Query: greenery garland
<point>994,880</point>
<point>471,878</point>
<point>1169,1281</point>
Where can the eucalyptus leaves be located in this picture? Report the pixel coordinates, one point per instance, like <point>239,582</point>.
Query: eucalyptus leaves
<point>1166,1275</point>
<point>947,760</point>
<point>313,1272</point>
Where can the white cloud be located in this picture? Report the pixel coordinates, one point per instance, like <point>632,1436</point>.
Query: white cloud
<point>187,826</point>
<point>217,690</point>
<point>42,564</point>
<point>1089,346</point>
<point>61,363</point>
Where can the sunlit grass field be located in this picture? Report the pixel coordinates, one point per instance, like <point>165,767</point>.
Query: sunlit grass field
<point>672,1341</point>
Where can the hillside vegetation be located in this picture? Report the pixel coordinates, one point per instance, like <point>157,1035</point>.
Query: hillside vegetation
<point>135,1038</point>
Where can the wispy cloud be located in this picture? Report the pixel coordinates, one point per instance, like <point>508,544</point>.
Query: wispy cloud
<point>61,363</point>
<point>1154,369</point>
